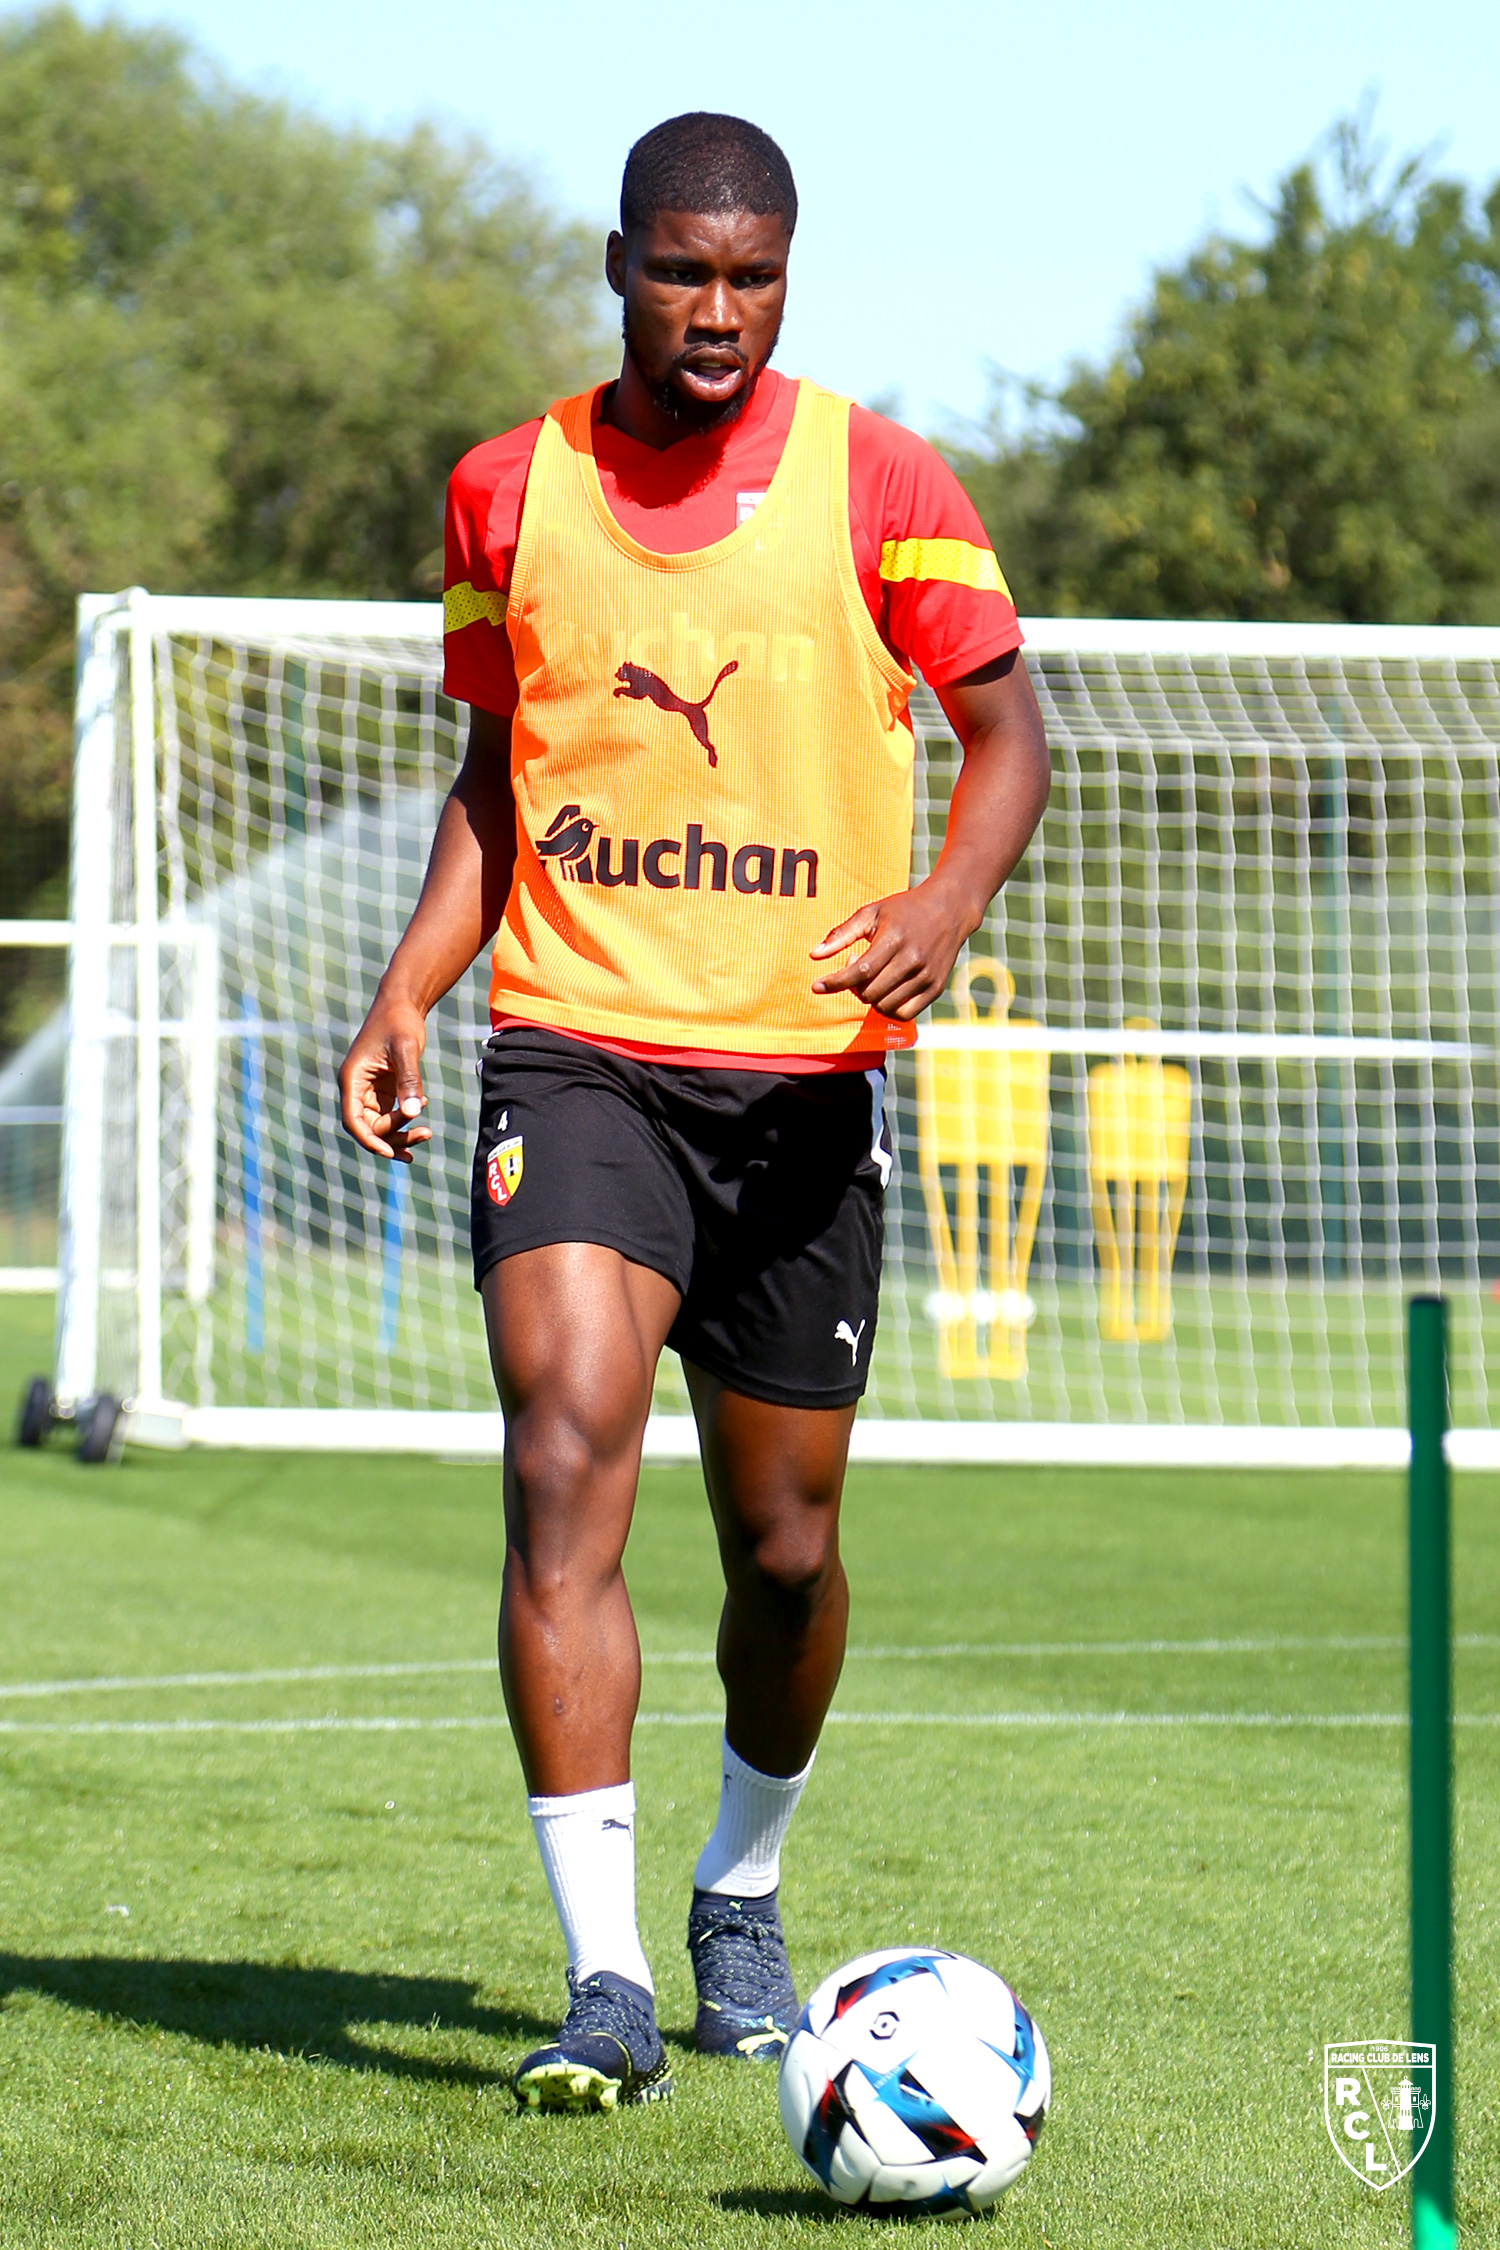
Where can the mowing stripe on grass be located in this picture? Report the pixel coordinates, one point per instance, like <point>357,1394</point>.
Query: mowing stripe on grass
<point>337,1724</point>
<point>114,1685</point>
<point>1138,1719</point>
<point>1271,1644</point>
<point>1264,1645</point>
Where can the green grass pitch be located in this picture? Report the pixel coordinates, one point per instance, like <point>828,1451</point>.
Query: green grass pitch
<point>338,1940</point>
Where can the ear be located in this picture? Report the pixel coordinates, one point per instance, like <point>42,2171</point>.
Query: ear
<point>614,262</point>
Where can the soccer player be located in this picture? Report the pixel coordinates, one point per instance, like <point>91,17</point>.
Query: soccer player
<point>685,610</point>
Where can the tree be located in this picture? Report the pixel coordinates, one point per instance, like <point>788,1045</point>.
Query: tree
<point>240,350</point>
<point>1306,427</point>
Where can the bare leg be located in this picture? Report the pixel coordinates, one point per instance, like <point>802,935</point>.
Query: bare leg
<point>575,1332</point>
<point>775,1476</point>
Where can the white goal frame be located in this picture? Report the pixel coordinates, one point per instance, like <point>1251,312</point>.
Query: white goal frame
<point>117,640</point>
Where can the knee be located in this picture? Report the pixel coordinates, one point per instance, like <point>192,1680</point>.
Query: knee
<point>565,1442</point>
<point>793,1565</point>
<point>554,1458</point>
<point>567,1504</point>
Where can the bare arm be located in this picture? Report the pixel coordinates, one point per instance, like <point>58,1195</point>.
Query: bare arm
<point>463,897</point>
<point>913,938</point>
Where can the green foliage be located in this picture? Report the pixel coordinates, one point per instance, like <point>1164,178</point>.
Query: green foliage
<point>240,350</point>
<point>1306,427</point>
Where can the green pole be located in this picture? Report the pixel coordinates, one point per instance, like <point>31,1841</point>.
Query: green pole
<point>1431,1768</point>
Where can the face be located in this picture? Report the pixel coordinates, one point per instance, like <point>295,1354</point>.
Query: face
<point>704,293</point>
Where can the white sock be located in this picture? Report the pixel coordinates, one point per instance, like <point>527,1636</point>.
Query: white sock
<point>742,1858</point>
<point>587,1845</point>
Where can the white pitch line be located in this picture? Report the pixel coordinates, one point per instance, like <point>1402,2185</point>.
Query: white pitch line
<point>927,1650</point>
<point>1143,1719</point>
<point>334,1724</point>
<point>331,1724</point>
<point>116,1684</point>
<point>1271,1644</point>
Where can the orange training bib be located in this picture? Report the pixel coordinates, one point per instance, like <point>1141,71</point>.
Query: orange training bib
<point>709,761</point>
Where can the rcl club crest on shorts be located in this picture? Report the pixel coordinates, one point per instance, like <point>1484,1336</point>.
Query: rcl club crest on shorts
<point>1379,2099</point>
<point>502,1169</point>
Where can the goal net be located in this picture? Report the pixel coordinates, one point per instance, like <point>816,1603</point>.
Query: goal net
<point>1216,1087</point>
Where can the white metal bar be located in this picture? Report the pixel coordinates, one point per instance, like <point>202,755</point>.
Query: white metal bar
<point>148,1002</point>
<point>1155,636</point>
<point>1242,1046</point>
<point>232,1027</point>
<point>1133,1445</point>
<point>80,1209</point>
<point>35,933</point>
<point>251,616</point>
<point>340,1429</point>
<point>61,933</point>
<point>1009,1038</point>
<point>203,1122</point>
<point>674,1437</point>
<point>27,1281</point>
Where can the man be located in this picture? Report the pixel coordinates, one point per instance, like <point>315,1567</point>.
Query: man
<point>684,610</point>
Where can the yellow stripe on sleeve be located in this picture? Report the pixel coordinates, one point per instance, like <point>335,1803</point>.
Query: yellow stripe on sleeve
<point>466,605</point>
<point>955,561</point>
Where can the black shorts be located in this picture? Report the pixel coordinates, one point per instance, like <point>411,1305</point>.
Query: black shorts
<point>760,1197</point>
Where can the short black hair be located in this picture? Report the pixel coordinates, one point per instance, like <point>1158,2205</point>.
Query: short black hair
<point>704,162</point>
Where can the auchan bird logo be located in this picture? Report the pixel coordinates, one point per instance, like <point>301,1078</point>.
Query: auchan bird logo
<point>643,686</point>
<point>567,841</point>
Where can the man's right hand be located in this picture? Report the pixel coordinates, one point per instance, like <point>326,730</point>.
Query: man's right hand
<point>380,1084</point>
<point>463,897</point>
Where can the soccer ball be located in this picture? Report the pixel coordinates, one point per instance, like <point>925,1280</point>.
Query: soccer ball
<point>915,2082</point>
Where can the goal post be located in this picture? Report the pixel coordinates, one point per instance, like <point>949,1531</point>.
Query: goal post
<point>1217,1090</point>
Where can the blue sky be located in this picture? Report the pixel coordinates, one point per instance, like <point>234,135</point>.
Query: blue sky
<point>981,186</point>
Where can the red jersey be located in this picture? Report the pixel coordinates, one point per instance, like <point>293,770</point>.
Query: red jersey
<point>924,563</point>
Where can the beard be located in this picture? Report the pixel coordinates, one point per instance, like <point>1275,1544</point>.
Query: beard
<point>696,417</point>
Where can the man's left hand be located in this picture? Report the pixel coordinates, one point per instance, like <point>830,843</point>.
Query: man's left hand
<point>911,940</point>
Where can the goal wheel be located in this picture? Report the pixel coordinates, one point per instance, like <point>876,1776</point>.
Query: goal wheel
<point>34,1422</point>
<point>97,1429</point>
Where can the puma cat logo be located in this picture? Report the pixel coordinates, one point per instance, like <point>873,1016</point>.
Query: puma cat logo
<point>844,1334</point>
<point>641,686</point>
